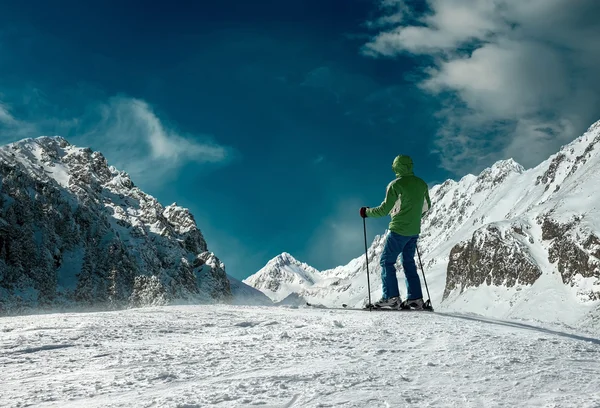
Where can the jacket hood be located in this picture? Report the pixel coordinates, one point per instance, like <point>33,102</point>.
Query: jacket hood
<point>402,166</point>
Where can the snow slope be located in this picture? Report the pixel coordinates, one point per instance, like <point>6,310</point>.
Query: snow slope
<point>246,295</point>
<point>509,242</point>
<point>225,356</point>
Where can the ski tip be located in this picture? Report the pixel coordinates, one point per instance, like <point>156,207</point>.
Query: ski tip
<point>344,305</point>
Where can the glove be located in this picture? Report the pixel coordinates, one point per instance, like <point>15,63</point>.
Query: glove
<point>363,212</point>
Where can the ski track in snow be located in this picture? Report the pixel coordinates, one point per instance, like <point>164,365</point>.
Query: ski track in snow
<point>234,356</point>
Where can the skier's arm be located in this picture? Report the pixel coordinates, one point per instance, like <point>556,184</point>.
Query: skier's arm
<point>426,202</point>
<point>386,206</point>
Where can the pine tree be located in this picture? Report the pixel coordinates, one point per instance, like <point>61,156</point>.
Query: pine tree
<point>84,290</point>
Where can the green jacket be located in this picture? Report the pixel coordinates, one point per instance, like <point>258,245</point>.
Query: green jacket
<point>406,199</point>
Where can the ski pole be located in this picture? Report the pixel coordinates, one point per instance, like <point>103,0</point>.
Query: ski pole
<point>367,258</point>
<point>423,271</point>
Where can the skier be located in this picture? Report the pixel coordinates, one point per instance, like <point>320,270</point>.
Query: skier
<point>406,200</point>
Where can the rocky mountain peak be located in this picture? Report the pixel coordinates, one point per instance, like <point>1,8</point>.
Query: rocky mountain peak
<point>283,275</point>
<point>75,229</point>
<point>286,265</point>
<point>499,171</point>
<point>508,165</point>
<point>283,259</point>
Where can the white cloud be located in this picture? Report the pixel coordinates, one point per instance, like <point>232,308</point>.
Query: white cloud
<point>505,79</point>
<point>128,132</point>
<point>452,23</point>
<point>521,72</point>
<point>6,118</point>
<point>134,139</point>
<point>11,128</point>
<point>394,13</point>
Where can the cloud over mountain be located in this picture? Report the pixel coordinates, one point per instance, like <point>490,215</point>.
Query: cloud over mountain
<point>523,73</point>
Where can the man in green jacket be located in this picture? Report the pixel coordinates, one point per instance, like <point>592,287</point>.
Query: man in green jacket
<point>406,200</point>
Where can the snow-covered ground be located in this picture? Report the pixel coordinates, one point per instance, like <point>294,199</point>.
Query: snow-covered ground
<point>234,356</point>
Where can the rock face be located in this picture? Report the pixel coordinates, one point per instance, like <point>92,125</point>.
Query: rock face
<point>508,242</point>
<point>495,255</point>
<point>574,250</point>
<point>553,221</point>
<point>74,230</point>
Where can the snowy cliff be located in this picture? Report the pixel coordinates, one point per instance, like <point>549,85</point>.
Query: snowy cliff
<point>509,242</point>
<point>75,230</point>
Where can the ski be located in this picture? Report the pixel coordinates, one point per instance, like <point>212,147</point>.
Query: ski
<point>426,308</point>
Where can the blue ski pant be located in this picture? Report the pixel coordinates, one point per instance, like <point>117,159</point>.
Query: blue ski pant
<point>395,245</point>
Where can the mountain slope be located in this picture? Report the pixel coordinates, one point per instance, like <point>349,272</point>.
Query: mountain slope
<point>75,230</point>
<point>246,295</point>
<point>508,242</point>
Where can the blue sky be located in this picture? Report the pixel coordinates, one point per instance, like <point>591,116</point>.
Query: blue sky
<point>275,121</point>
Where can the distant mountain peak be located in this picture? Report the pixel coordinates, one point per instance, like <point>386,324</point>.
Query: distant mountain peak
<point>499,171</point>
<point>508,165</point>
<point>283,275</point>
<point>283,259</point>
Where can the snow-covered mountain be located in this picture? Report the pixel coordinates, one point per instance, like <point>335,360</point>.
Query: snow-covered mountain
<point>283,275</point>
<point>509,242</point>
<point>75,230</point>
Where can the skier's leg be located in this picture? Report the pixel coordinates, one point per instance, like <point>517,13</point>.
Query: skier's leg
<point>389,256</point>
<point>413,283</point>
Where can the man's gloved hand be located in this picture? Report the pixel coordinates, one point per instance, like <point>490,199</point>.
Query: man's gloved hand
<point>363,212</point>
